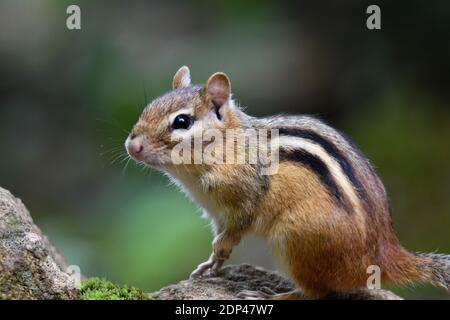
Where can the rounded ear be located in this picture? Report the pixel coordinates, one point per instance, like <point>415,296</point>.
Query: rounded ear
<point>218,88</point>
<point>182,78</point>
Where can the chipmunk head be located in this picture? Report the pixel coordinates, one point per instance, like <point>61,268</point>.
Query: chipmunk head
<point>183,113</point>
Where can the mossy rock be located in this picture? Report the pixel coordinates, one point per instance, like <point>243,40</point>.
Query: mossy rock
<point>101,289</point>
<point>31,267</point>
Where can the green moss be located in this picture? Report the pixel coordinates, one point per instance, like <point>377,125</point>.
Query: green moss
<point>101,289</point>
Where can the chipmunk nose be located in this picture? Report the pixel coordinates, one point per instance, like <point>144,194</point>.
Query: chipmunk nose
<point>135,146</point>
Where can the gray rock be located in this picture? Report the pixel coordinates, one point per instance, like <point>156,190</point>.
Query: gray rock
<point>30,266</point>
<point>236,278</point>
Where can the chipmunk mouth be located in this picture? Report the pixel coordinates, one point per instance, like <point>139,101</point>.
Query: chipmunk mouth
<point>143,153</point>
<point>154,157</point>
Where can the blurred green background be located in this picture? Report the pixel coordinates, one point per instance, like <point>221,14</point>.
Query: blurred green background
<point>68,97</point>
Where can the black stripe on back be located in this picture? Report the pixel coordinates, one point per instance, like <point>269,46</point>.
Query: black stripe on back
<point>315,164</point>
<point>333,151</point>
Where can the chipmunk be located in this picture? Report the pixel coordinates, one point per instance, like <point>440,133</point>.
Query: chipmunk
<point>324,212</point>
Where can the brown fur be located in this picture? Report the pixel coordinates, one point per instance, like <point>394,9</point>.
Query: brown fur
<point>326,247</point>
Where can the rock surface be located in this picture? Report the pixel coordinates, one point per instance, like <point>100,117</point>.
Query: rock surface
<point>30,266</point>
<point>236,278</point>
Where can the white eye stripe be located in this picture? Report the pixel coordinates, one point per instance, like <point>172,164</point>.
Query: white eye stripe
<point>187,111</point>
<point>195,127</point>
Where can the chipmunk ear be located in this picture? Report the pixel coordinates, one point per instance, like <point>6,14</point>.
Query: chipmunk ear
<point>218,88</point>
<point>182,78</point>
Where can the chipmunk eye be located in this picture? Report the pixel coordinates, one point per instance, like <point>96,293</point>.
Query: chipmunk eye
<point>182,121</point>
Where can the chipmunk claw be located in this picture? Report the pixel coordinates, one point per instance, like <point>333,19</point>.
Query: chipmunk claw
<point>210,268</point>
<point>252,295</point>
<point>201,269</point>
<point>265,293</point>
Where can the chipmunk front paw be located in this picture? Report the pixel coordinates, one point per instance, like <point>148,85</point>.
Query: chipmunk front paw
<point>208,268</point>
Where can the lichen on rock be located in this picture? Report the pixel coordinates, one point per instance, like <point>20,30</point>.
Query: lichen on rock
<point>30,266</point>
